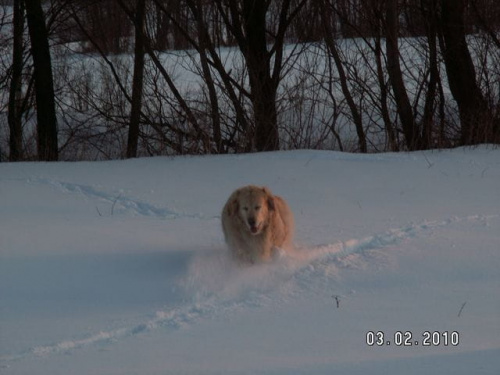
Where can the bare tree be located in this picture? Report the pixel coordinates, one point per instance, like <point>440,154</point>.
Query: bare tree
<point>403,104</point>
<point>210,57</point>
<point>203,44</point>
<point>15,92</point>
<point>247,22</point>
<point>472,105</point>
<point>429,12</point>
<point>371,57</point>
<point>371,79</point>
<point>44,84</point>
<point>138,78</point>
<point>327,22</point>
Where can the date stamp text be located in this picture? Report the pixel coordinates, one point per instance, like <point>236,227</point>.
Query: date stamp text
<point>407,338</point>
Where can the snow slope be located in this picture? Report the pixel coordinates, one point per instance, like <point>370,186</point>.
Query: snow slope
<point>120,267</point>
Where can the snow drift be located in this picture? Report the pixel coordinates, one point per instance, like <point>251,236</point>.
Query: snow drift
<point>120,267</point>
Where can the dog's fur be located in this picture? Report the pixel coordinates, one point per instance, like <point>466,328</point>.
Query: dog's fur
<point>256,223</point>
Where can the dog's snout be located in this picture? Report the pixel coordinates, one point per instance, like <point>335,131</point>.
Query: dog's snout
<point>251,221</point>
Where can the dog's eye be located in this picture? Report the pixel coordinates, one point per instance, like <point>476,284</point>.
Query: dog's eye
<point>245,208</point>
<point>257,208</point>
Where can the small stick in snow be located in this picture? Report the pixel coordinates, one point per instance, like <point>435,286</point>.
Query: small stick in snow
<point>461,308</point>
<point>337,300</point>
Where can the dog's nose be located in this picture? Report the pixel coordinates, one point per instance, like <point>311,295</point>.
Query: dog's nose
<point>251,221</point>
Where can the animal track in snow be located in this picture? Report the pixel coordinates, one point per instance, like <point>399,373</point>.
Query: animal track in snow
<point>118,200</point>
<point>214,286</point>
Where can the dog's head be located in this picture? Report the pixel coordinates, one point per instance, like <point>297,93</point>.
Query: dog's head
<point>253,205</point>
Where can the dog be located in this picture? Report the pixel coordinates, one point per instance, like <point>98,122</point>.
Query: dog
<point>256,224</point>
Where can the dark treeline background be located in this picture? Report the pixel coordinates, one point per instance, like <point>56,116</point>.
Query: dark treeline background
<point>89,80</point>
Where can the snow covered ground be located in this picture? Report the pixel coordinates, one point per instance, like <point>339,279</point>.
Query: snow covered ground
<point>120,267</point>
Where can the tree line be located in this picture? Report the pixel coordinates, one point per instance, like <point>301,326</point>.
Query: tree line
<point>86,79</point>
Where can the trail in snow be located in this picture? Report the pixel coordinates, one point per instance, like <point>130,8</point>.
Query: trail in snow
<point>116,200</point>
<point>214,286</point>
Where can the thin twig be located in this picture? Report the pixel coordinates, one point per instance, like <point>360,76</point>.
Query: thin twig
<point>461,308</point>
<point>337,300</point>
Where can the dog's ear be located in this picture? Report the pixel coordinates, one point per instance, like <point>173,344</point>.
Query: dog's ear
<point>233,208</point>
<point>270,203</point>
<point>232,205</point>
<point>270,199</point>
<point>235,205</point>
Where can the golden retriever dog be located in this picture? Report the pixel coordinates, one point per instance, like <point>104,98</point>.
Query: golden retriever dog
<point>256,223</point>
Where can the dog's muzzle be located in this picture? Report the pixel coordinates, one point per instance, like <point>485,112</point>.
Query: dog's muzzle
<point>253,227</point>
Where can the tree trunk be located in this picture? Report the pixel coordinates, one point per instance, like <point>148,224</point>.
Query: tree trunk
<point>137,83</point>
<point>44,85</point>
<point>403,105</point>
<point>384,94</point>
<point>15,99</point>
<point>430,98</point>
<point>472,106</point>
<point>263,87</point>
<point>203,46</point>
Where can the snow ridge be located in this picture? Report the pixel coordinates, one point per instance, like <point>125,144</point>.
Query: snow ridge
<point>118,199</point>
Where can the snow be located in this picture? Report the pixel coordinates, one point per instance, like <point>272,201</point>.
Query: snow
<point>120,267</point>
